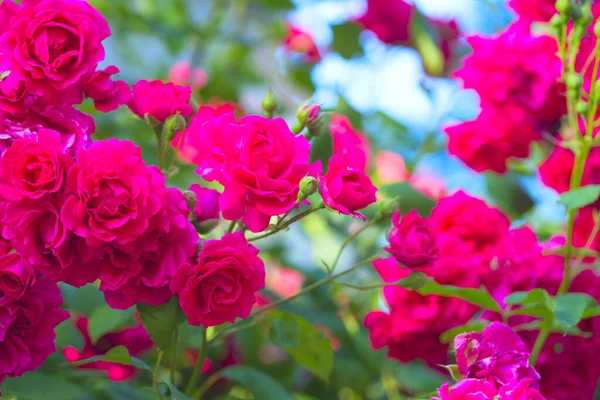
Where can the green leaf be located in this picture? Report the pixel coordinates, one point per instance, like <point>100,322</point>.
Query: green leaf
<point>161,321</point>
<point>119,355</point>
<point>571,307</point>
<point>176,393</point>
<point>535,296</point>
<point>478,297</point>
<point>433,59</point>
<point>453,371</point>
<point>509,193</point>
<point>346,40</point>
<point>4,75</point>
<point>105,319</point>
<point>474,326</point>
<point>410,199</point>
<point>580,197</point>
<point>310,347</point>
<point>37,386</point>
<point>262,386</point>
<point>275,4</point>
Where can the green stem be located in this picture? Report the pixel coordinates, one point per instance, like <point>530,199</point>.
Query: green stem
<point>155,376</point>
<point>174,359</point>
<point>539,343</point>
<point>195,378</point>
<point>288,223</point>
<point>231,227</point>
<point>308,289</point>
<point>348,241</point>
<point>214,378</point>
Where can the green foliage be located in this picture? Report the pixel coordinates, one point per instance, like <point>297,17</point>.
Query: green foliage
<point>38,386</point>
<point>410,199</point>
<point>309,346</point>
<point>176,393</point>
<point>105,319</point>
<point>346,40</point>
<point>118,354</point>
<point>161,322</point>
<point>509,193</point>
<point>261,385</point>
<point>581,197</point>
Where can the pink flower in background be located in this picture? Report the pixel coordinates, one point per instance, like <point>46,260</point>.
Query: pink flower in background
<point>27,328</point>
<point>260,163</point>
<point>283,281</point>
<point>413,243</point>
<point>55,45</point>
<point>300,41</point>
<point>471,220</point>
<point>497,355</point>
<point>135,339</point>
<point>15,278</point>
<point>160,100</point>
<point>555,171</point>
<point>108,95</point>
<point>347,189</point>
<point>467,389</point>
<point>534,10</point>
<point>526,76</point>
<point>520,390</point>
<point>389,20</point>
<point>189,142</point>
<point>207,203</point>
<point>222,286</point>
<point>390,167</point>
<point>182,74</point>
<point>350,143</point>
<point>430,186</point>
<point>34,166</point>
<point>486,143</point>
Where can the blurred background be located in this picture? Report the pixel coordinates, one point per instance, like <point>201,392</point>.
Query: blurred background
<point>400,95</point>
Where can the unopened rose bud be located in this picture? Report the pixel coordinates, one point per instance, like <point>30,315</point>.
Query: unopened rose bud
<point>190,199</point>
<point>308,114</point>
<point>582,107</point>
<point>206,227</point>
<point>573,81</point>
<point>269,103</point>
<point>389,206</point>
<point>308,187</point>
<point>153,122</point>
<point>174,124</point>
<point>563,6</point>
<point>557,23</point>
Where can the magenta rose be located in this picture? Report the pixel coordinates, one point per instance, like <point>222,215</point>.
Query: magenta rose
<point>222,286</point>
<point>39,236</point>
<point>11,131</point>
<point>75,127</point>
<point>34,168</point>
<point>496,355</point>
<point>534,10</point>
<point>108,95</point>
<point>207,203</point>
<point>15,278</point>
<point>260,163</point>
<point>141,271</point>
<point>114,193</point>
<point>346,189</point>
<point>350,143</point>
<point>160,100</point>
<point>413,242</point>
<point>27,329</point>
<point>467,389</point>
<point>524,389</point>
<point>390,20</point>
<point>14,97</point>
<point>54,44</point>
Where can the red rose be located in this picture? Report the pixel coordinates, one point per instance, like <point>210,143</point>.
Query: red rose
<point>349,142</point>
<point>14,97</point>
<point>55,44</point>
<point>346,189</point>
<point>222,286</point>
<point>207,203</point>
<point>34,168</point>
<point>107,94</point>
<point>300,41</point>
<point>388,19</point>
<point>260,163</point>
<point>15,277</point>
<point>160,100</point>
<point>413,242</point>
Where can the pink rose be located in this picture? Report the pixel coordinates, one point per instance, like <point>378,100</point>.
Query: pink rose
<point>55,44</point>
<point>207,203</point>
<point>34,168</point>
<point>413,242</point>
<point>471,220</point>
<point>11,131</point>
<point>39,236</point>
<point>430,186</point>
<point>140,271</point>
<point>534,10</point>
<point>75,127</point>
<point>182,74</point>
<point>353,144</point>
<point>27,329</point>
<point>555,171</point>
<point>15,278</point>
<point>114,193</point>
<point>391,167</point>
<point>14,97</point>
<point>260,163</point>
<point>467,389</point>
<point>520,390</point>
<point>160,100</point>
<point>222,286</point>
<point>346,189</point>
<point>189,142</point>
<point>497,134</point>
<point>302,42</point>
<point>388,19</point>
<point>107,94</point>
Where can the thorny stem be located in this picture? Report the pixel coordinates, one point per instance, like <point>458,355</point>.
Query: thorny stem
<point>288,223</point>
<point>198,367</point>
<point>155,376</point>
<point>174,359</point>
<point>348,241</point>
